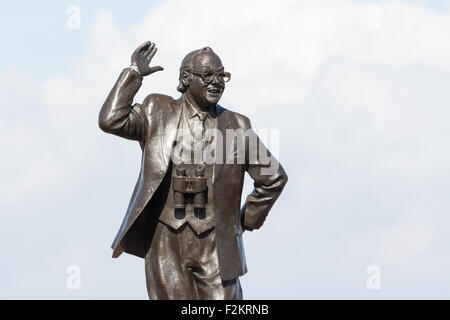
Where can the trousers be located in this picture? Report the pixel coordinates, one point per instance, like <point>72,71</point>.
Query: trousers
<point>182,265</point>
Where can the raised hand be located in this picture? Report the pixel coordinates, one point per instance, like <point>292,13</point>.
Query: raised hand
<point>141,59</point>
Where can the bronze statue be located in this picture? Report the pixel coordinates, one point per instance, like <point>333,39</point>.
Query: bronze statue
<point>184,215</point>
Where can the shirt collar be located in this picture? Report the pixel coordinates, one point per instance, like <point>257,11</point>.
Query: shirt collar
<point>192,110</point>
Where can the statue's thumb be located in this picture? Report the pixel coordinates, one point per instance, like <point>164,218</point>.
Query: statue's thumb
<point>157,68</point>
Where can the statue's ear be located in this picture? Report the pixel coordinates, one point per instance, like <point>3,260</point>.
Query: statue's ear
<point>185,78</point>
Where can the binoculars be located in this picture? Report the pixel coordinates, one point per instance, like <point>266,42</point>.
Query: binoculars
<point>189,186</point>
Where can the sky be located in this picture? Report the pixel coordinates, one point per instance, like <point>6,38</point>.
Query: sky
<point>357,89</point>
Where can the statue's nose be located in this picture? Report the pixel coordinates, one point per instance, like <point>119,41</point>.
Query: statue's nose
<point>217,82</point>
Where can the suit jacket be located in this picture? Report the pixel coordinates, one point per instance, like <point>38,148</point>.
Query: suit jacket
<point>154,124</point>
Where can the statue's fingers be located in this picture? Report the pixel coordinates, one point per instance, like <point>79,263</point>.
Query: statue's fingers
<point>149,49</point>
<point>144,47</point>
<point>151,54</point>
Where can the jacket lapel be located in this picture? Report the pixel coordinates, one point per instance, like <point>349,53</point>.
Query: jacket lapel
<point>169,119</point>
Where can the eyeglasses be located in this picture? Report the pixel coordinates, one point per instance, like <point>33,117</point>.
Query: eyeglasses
<point>208,75</point>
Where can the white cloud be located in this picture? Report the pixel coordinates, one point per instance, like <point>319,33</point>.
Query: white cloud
<point>404,242</point>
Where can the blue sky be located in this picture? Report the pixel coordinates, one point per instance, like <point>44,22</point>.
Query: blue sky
<point>39,43</point>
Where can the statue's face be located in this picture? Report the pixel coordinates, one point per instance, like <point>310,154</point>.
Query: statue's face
<point>203,93</point>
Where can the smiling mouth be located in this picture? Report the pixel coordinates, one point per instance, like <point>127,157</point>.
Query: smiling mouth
<point>214,90</point>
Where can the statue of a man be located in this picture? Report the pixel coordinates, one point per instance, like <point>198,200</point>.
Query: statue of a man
<point>184,215</point>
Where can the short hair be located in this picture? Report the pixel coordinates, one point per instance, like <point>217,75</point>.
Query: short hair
<point>188,64</point>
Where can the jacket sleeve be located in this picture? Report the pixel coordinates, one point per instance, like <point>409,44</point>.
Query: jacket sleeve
<point>118,116</point>
<point>269,180</point>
